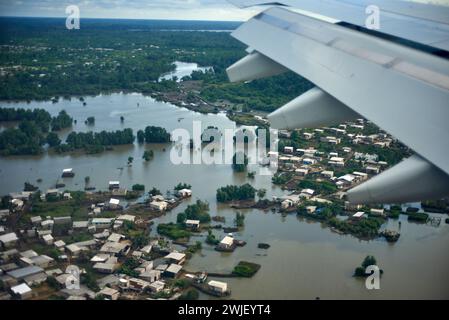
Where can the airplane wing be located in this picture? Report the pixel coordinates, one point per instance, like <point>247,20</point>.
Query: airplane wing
<point>400,86</point>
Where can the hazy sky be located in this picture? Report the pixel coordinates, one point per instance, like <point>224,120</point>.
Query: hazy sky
<point>129,9</point>
<point>137,9</point>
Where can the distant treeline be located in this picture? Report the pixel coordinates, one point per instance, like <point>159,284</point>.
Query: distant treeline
<point>33,132</point>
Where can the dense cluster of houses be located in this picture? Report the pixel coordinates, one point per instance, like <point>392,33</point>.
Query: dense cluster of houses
<point>317,165</point>
<point>107,249</point>
<point>306,162</point>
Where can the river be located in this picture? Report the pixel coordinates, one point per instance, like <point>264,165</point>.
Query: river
<point>182,70</point>
<point>305,260</point>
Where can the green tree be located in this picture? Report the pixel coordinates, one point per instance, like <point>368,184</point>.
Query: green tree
<point>140,136</point>
<point>181,186</point>
<point>53,139</point>
<point>148,155</point>
<point>239,219</point>
<point>90,121</point>
<point>155,192</point>
<point>156,135</point>
<point>138,187</point>
<point>239,162</point>
<point>198,211</point>
<point>181,217</point>
<point>261,193</point>
<point>369,261</point>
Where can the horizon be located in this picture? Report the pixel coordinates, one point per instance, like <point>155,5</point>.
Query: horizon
<point>190,10</point>
<point>137,19</point>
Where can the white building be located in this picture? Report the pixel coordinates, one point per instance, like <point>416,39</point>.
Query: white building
<point>9,240</point>
<point>193,224</point>
<point>159,205</point>
<point>114,203</point>
<point>358,215</point>
<point>185,193</point>
<point>176,257</point>
<point>302,171</point>
<point>218,286</point>
<point>22,290</point>
<point>48,239</point>
<point>114,185</point>
<point>288,149</point>
<point>227,243</point>
<point>327,174</point>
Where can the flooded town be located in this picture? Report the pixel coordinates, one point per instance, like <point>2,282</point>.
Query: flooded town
<point>132,169</point>
<point>120,224</point>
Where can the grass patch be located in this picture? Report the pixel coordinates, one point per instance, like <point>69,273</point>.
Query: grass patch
<point>173,231</point>
<point>418,216</point>
<point>60,209</point>
<point>246,269</point>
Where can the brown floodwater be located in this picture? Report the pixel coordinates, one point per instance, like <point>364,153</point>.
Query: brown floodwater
<point>304,261</point>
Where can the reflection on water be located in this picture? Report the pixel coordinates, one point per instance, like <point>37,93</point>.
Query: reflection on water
<point>182,70</point>
<point>305,260</point>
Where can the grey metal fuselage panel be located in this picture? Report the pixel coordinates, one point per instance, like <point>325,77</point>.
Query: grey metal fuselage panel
<point>423,23</point>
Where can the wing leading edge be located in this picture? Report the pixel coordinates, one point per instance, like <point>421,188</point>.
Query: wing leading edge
<point>402,90</point>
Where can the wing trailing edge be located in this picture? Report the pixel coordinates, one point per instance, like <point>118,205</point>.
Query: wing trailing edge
<point>413,179</point>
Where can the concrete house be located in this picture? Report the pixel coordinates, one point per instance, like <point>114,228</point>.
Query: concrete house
<point>302,171</point>
<point>115,248</point>
<point>126,217</point>
<point>218,287</point>
<point>48,239</point>
<point>114,185</point>
<point>59,244</point>
<point>193,224</point>
<point>114,203</point>
<point>176,257</point>
<point>358,215</point>
<point>159,205</point>
<point>20,274</point>
<point>151,275</point>
<point>184,193</point>
<point>173,270</point>
<point>36,220</point>
<point>109,266</point>
<point>63,220</point>
<point>102,223</point>
<point>377,212</point>
<point>227,243</point>
<point>23,291</point>
<point>68,173</point>
<point>157,286</point>
<point>327,174</point>
<point>288,149</point>
<point>8,240</point>
<point>80,225</point>
<point>109,293</point>
<point>137,284</point>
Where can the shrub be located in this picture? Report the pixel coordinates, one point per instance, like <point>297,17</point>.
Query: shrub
<point>246,269</point>
<point>138,187</point>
